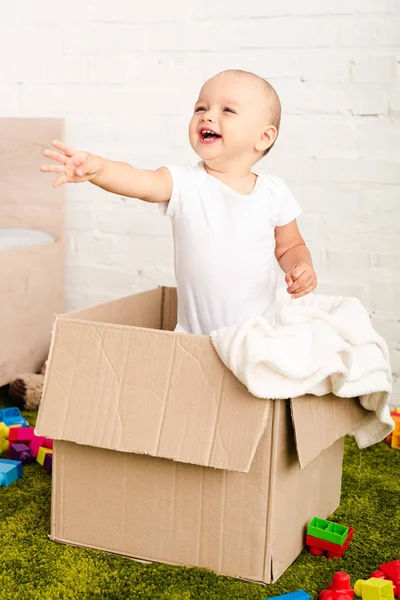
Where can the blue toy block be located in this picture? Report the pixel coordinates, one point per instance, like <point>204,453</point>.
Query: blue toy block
<point>10,471</point>
<point>298,595</point>
<point>12,416</point>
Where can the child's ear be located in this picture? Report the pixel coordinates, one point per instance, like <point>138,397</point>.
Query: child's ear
<point>267,138</point>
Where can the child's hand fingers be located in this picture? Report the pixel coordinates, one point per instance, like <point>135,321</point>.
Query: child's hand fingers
<point>299,282</point>
<point>61,158</point>
<point>300,289</point>
<point>53,168</point>
<point>60,180</point>
<point>68,150</point>
<point>88,167</point>
<point>309,289</point>
<point>289,280</point>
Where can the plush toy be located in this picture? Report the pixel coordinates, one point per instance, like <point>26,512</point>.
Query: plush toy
<point>26,389</point>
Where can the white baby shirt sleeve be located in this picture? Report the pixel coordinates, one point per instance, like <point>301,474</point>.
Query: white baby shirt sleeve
<point>179,175</point>
<point>287,207</point>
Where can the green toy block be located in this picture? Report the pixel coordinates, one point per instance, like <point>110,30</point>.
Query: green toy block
<point>374,589</point>
<point>328,531</point>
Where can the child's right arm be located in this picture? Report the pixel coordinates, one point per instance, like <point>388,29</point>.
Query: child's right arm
<point>117,177</point>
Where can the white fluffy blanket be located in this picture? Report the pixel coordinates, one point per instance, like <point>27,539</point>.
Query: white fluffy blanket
<point>320,344</point>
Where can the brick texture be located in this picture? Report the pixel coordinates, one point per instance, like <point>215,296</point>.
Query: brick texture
<point>125,76</point>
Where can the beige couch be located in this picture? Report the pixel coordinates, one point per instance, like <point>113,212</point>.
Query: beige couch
<point>31,278</point>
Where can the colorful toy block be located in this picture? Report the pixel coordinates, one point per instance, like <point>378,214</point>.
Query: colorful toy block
<point>7,432</point>
<point>36,443</point>
<point>317,546</point>
<point>48,462</point>
<point>19,451</point>
<point>328,530</point>
<point>10,471</point>
<point>48,443</point>
<point>3,437</point>
<point>12,416</point>
<point>42,454</point>
<point>339,589</point>
<point>391,571</point>
<point>393,439</point>
<point>374,589</point>
<point>4,430</point>
<point>298,595</point>
<point>21,434</point>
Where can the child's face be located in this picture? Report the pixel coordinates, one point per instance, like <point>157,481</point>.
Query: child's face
<point>237,110</point>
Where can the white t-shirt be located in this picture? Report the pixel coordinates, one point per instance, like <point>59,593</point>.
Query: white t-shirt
<point>225,266</point>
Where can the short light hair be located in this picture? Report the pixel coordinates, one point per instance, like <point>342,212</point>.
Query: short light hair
<point>271,97</point>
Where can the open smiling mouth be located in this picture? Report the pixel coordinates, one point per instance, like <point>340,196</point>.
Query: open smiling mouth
<point>208,137</point>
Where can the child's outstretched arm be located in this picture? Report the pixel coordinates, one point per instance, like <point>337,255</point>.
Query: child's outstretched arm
<point>121,178</point>
<point>295,260</point>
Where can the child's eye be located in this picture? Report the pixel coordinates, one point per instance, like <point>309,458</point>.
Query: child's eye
<point>202,108</point>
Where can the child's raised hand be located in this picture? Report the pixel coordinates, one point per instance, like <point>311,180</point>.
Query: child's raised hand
<point>301,280</point>
<point>74,166</point>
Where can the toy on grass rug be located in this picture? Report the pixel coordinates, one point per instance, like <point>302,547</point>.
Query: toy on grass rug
<point>298,595</point>
<point>329,537</point>
<point>393,439</point>
<point>26,389</point>
<point>10,471</point>
<point>24,446</point>
<point>12,417</point>
<point>391,571</point>
<point>374,589</point>
<point>339,589</point>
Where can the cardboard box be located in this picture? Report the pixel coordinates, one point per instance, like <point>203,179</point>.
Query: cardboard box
<point>161,454</point>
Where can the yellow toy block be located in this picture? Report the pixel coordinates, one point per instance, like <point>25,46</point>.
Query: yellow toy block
<point>393,439</point>
<point>396,433</point>
<point>374,589</point>
<point>3,437</point>
<point>4,433</point>
<point>4,430</point>
<point>42,455</point>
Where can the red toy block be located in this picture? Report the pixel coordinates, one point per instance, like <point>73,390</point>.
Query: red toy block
<point>318,546</point>
<point>339,589</point>
<point>36,443</point>
<point>391,571</point>
<point>21,434</point>
<point>48,443</point>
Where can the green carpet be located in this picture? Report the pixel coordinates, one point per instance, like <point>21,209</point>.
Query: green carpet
<point>32,567</point>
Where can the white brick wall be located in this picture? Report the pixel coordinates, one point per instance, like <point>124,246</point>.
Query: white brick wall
<point>125,76</point>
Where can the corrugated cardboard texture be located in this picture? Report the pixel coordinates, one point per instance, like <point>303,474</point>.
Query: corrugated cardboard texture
<point>27,199</point>
<point>320,421</point>
<point>297,494</point>
<point>31,292</point>
<point>139,390</point>
<point>141,310</point>
<point>161,510</point>
<point>169,308</point>
<point>112,384</point>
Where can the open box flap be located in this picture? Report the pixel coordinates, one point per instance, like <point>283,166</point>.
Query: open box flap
<point>321,420</point>
<point>141,390</point>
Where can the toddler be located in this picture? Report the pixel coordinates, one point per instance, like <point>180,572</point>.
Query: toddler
<point>229,223</point>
